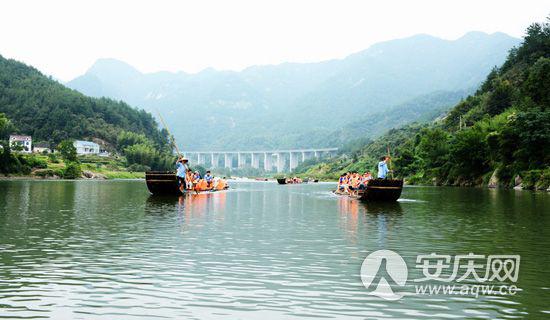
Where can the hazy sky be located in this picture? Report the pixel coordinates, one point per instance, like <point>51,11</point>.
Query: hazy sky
<point>64,38</point>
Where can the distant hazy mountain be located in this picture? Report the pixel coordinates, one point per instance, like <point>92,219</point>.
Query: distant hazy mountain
<point>290,104</point>
<point>423,108</point>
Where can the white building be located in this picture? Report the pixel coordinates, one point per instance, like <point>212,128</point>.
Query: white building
<point>86,147</point>
<point>41,147</point>
<point>24,142</point>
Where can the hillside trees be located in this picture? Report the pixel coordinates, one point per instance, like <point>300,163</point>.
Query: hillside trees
<point>48,111</point>
<point>504,128</point>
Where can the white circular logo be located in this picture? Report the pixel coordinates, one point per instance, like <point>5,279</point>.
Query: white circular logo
<point>382,267</point>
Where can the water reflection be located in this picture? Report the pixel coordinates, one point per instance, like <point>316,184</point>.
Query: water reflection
<point>105,250</point>
<point>356,216</point>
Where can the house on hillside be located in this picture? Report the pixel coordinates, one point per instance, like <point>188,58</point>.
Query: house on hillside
<point>41,147</point>
<point>21,143</point>
<point>86,147</point>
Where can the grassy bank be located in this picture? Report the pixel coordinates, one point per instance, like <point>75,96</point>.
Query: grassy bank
<point>39,166</point>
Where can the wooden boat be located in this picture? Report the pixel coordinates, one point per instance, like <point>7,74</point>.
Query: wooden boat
<point>378,190</point>
<point>289,181</point>
<point>166,183</point>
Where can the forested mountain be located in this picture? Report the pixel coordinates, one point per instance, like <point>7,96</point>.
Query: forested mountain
<point>287,105</point>
<point>39,106</point>
<point>498,136</point>
<point>419,109</point>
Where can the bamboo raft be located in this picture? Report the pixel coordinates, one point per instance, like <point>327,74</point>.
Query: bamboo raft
<point>388,190</point>
<point>289,181</point>
<point>166,183</point>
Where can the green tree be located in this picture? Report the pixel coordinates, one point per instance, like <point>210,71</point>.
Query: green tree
<point>127,138</point>
<point>537,85</point>
<point>433,147</point>
<point>499,99</point>
<point>5,127</point>
<point>468,153</point>
<point>531,130</point>
<point>68,151</point>
<point>72,171</point>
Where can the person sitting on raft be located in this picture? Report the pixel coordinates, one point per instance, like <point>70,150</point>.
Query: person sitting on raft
<point>343,182</point>
<point>209,180</point>
<point>354,183</point>
<point>215,183</point>
<point>221,184</point>
<point>196,177</point>
<point>364,180</point>
<point>189,177</point>
<point>367,176</point>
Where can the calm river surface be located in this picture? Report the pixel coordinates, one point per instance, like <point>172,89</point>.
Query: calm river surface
<point>107,250</point>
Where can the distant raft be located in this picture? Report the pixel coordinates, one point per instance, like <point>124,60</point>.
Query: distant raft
<point>292,181</point>
<point>388,190</point>
<point>166,183</point>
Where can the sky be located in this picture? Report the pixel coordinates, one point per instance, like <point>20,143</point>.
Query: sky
<point>64,38</point>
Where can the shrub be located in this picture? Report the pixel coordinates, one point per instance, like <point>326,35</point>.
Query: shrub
<point>35,162</point>
<point>72,171</point>
<point>544,181</point>
<point>135,167</point>
<point>44,173</point>
<point>53,158</point>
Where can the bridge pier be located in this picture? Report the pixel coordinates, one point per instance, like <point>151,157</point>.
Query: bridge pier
<point>241,160</point>
<point>228,160</point>
<point>268,166</point>
<point>293,160</point>
<point>201,158</point>
<point>215,159</point>
<point>280,162</point>
<point>255,161</point>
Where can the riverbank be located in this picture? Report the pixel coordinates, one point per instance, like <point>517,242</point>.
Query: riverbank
<point>53,167</point>
<point>330,169</point>
<point>536,180</point>
<point>86,175</point>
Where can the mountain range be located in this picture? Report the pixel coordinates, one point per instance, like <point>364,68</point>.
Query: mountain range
<point>294,105</point>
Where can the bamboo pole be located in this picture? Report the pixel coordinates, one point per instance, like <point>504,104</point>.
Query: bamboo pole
<point>172,139</point>
<point>391,171</point>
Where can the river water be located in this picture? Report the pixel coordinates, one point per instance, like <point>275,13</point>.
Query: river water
<point>106,250</point>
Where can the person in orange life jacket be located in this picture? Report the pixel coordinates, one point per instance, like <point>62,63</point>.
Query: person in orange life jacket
<point>181,167</point>
<point>209,179</point>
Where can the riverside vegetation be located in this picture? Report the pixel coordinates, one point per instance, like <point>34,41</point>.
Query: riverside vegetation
<point>498,136</point>
<point>67,165</point>
<point>36,105</point>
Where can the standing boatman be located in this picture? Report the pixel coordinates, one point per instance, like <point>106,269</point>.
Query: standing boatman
<point>383,167</point>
